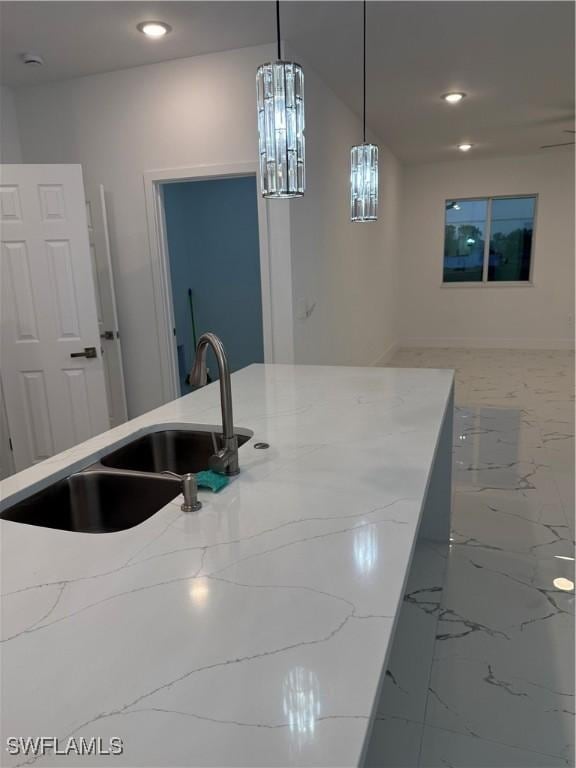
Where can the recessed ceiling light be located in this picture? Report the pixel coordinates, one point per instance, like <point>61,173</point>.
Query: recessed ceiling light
<point>32,59</point>
<point>154,29</point>
<point>454,98</point>
<point>465,147</point>
<point>564,584</point>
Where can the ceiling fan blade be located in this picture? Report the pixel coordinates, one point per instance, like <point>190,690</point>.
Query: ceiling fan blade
<point>563,144</point>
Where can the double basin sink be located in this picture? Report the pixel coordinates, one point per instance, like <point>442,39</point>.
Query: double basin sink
<point>98,500</point>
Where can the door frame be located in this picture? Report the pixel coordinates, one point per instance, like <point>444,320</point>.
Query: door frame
<point>99,237</point>
<point>159,256</point>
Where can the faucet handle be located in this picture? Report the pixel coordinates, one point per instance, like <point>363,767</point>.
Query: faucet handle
<point>225,461</point>
<point>218,462</point>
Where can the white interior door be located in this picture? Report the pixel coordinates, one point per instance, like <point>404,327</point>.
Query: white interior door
<point>52,370</point>
<point>6,457</point>
<point>110,341</point>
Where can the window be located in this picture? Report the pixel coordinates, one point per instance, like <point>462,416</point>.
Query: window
<point>489,239</point>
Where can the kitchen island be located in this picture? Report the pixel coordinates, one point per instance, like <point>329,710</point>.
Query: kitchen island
<point>256,631</point>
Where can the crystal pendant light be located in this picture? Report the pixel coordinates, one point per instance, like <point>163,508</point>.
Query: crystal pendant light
<point>364,164</point>
<point>280,93</point>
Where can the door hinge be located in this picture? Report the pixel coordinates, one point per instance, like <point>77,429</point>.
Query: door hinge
<point>10,444</point>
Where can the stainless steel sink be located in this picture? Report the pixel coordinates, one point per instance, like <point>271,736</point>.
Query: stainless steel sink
<point>175,450</point>
<point>126,486</point>
<point>95,502</point>
<point>114,494</point>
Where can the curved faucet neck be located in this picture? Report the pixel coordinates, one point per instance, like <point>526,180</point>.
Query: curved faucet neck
<point>198,377</point>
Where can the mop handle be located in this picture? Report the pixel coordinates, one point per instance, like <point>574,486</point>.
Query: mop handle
<point>192,316</point>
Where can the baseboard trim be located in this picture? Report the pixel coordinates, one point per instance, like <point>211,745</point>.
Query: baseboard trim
<point>499,343</point>
<point>387,356</point>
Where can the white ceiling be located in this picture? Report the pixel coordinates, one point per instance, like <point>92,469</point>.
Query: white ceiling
<point>514,59</point>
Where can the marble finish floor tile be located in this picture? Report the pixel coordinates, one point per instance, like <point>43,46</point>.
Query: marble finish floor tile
<point>507,522</point>
<point>445,749</point>
<point>485,699</point>
<point>500,692</point>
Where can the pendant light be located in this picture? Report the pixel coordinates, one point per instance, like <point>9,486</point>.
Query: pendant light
<point>280,94</point>
<point>364,162</point>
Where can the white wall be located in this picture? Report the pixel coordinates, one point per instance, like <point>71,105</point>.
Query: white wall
<point>348,272</point>
<point>9,135</point>
<point>537,316</point>
<point>120,124</point>
<point>202,110</point>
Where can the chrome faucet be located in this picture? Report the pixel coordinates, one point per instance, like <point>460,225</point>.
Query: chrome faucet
<point>224,461</point>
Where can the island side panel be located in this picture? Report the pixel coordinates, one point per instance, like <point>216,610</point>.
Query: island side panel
<point>398,728</point>
<point>437,512</point>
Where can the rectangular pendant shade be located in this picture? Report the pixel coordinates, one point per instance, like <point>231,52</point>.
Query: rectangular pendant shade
<point>280,93</point>
<point>364,182</point>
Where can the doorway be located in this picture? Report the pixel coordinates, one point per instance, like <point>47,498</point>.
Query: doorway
<point>212,239</point>
<point>275,266</point>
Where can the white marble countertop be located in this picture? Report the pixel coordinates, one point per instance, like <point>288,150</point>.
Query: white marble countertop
<point>255,632</point>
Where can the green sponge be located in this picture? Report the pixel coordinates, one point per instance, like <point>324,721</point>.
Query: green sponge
<point>211,480</point>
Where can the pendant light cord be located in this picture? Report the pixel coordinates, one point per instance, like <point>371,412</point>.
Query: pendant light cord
<point>364,78</point>
<point>278,28</point>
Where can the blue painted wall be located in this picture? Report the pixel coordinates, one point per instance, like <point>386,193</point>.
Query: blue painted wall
<point>212,232</point>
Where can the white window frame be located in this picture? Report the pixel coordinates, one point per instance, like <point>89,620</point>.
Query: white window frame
<point>485,283</point>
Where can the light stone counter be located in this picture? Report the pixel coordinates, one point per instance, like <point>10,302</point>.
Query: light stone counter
<point>255,632</point>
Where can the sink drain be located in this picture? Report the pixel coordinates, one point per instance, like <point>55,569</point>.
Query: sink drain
<point>261,446</point>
